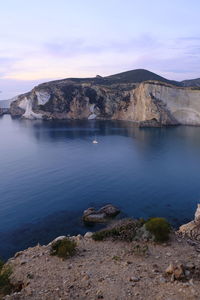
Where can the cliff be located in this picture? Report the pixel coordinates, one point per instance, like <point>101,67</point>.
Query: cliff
<point>125,96</point>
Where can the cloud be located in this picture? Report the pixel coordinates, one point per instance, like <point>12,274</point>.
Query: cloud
<point>178,66</point>
<point>71,47</point>
<point>189,38</point>
<point>10,88</point>
<point>81,57</point>
<point>6,64</point>
<point>78,46</point>
<point>177,58</point>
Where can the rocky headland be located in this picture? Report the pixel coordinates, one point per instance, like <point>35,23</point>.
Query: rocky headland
<point>139,96</point>
<point>110,269</point>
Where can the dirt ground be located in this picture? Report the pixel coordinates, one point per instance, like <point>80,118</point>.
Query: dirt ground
<point>110,270</point>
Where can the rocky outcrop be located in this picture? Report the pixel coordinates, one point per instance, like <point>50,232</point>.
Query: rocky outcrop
<point>149,103</point>
<point>100,216</point>
<point>192,229</point>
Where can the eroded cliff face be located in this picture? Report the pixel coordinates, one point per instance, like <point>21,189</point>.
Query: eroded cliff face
<point>183,103</point>
<point>150,103</point>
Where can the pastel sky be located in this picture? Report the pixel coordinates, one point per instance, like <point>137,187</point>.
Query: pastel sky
<point>42,40</point>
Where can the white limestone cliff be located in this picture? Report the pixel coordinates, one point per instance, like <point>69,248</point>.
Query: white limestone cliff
<point>152,103</point>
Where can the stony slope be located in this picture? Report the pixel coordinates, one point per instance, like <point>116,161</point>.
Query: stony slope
<point>106,270</point>
<point>124,96</point>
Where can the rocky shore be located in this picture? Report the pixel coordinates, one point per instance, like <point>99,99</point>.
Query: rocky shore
<point>110,269</point>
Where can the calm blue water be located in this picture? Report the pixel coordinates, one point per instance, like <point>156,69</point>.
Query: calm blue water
<point>50,172</point>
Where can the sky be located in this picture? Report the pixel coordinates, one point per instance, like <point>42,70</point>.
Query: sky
<point>42,40</point>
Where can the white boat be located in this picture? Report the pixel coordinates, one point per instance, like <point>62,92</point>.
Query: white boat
<point>95,140</point>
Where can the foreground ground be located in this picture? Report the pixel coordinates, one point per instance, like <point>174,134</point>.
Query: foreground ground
<point>105,270</point>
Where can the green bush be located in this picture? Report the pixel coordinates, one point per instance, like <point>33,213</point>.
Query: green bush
<point>159,227</point>
<point>116,258</point>
<point>5,285</point>
<point>125,230</point>
<point>103,234</point>
<point>140,250</point>
<point>63,248</point>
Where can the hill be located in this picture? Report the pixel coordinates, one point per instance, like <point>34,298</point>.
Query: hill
<point>133,76</point>
<point>191,82</point>
<point>139,75</point>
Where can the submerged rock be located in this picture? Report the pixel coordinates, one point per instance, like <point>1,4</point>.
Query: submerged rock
<point>101,215</point>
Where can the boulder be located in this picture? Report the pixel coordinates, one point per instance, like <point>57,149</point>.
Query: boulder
<point>88,235</point>
<point>100,216</point>
<point>179,272</point>
<point>197,215</point>
<point>89,211</point>
<point>176,271</point>
<point>192,229</point>
<point>59,238</point>
<point>109,210</point>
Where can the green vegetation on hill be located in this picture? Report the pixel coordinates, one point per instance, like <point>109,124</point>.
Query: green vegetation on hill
<point>125,230</point>
<point>133,76</point>
<point>160,228</point>
<point>63,248</point>
<point>155,229</point>
<point>5,285</point>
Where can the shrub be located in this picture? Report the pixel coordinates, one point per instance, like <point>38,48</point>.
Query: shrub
<point>159,227</point>
<point>140,250</point>
<point>125,230</point>
<point>63,248</point>
<point>103,234</point>
<point>116,258</point>
<point>5,285</point>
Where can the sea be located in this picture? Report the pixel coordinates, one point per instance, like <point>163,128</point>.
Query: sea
<point>50,172</point>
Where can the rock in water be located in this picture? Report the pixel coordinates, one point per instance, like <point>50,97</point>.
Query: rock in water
<point>100,216</point>
<point>109,210</point>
